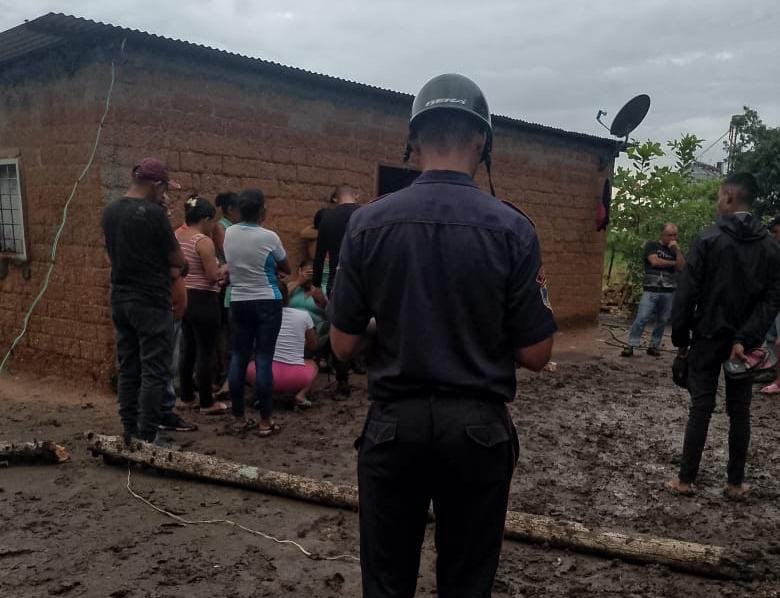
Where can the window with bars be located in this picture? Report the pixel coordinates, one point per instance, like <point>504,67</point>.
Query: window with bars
<point>12,242</point>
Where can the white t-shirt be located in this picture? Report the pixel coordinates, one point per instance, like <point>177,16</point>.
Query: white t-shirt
<point>292,336</point>
<point>251,252</point>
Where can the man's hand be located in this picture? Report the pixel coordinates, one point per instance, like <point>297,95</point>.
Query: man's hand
<point>674,245</point>
<point>738,353</point>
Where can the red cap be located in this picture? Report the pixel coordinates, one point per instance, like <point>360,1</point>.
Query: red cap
<point>151,169</point>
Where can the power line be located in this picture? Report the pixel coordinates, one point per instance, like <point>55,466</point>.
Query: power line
<point>711,145</point>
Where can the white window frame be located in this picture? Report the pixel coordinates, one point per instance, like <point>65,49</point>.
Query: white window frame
<point>20,207</point>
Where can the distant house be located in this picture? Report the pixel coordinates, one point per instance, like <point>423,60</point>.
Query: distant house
<point>704,172</point>
<point>225,122</point>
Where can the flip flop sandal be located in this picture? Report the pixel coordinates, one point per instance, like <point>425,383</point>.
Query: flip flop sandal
<point>263,432</point>
<point>218,408</point>
<point>244,426</point>
<point>772,389</point>
<point>307,404</point>
<point>756,361</point>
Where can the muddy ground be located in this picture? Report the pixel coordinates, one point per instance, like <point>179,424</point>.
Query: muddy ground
<point>598,438</point>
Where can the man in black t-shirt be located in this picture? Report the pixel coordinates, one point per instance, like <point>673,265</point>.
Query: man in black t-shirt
<point>452,277</point>
<point>145,256</point>
<point>663,259</point>
<point>331,223</point>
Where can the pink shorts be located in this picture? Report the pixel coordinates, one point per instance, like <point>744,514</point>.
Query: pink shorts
<point>292,378</point>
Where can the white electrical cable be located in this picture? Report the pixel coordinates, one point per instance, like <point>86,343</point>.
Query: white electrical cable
<point>61,227</point>
<point>311,555</point>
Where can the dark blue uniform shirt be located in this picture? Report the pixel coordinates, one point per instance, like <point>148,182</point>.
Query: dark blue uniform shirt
<point>453,277</point>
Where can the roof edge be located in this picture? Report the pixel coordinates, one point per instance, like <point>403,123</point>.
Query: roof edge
<point>68,27</point>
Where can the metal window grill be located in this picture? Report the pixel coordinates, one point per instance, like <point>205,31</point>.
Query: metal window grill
<point>12,243</point>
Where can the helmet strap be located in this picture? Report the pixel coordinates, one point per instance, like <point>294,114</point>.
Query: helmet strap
<point>490,177</point>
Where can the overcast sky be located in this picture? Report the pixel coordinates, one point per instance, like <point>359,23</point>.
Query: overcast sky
<point>552,62</point>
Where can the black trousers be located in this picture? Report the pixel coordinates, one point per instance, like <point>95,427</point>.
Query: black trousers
<point>144,346</point>
<point>200,336</point>
<point>704,364</point>
<point>458,453</point>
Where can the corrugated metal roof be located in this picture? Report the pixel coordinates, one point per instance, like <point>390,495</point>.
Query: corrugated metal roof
<point>22,40</point>
<point>54,29</point>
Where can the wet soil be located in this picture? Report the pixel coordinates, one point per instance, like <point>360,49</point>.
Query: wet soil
<point>598,438</point>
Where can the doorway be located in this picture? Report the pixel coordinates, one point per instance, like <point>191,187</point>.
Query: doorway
<point>391,179</point>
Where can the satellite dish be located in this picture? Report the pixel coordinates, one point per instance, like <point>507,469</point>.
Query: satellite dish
<point>630,116</point>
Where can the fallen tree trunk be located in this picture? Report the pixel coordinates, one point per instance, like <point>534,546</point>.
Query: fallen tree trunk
<point>32,452</point>
<point>703,559</point>
<point>212,469</point>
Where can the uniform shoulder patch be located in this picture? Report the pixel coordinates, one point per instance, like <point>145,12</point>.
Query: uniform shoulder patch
<point>541,280</point>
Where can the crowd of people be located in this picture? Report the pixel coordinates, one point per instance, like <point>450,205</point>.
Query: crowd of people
<point>240,319</point>
<point>446,283</point>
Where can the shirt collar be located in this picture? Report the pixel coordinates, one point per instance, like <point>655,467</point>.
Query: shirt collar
<point>445,176</point>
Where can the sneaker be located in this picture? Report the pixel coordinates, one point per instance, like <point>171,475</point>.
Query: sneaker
<point>343,391</point>
<point>174,423</point>
<point>627,352</point>
<point>653,352</point>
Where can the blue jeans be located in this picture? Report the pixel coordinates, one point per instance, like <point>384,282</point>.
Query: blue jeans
<point>255,325</point>
<point>169,401</point>
<point>652,306</point>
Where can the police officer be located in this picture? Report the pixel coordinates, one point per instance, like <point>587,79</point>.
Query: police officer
<point>453,278</point>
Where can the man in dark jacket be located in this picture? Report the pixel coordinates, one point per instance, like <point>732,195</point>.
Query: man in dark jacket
<point>727,297</point>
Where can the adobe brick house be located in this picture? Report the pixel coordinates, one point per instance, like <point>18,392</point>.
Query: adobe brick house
<point>224,122</point>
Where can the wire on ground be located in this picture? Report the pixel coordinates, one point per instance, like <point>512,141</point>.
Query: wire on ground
<point>249,530</point>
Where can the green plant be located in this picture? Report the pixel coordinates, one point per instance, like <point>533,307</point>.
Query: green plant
<point>756,149</point>
<point>649,195</point>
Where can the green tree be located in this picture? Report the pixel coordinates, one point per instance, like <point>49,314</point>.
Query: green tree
<point>757,150</point>
<point>649,195</point>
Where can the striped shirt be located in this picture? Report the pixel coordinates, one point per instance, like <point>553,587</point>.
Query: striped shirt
<point>251,252</point>
<point>196,276</point>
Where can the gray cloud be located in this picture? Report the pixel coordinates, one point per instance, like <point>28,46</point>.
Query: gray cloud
<point>554,62</point>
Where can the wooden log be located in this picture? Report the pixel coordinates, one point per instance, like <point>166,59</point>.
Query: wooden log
<point>703,559</point>
<point>691,557</point>
<point>212,469</point>
<point>35,452</point>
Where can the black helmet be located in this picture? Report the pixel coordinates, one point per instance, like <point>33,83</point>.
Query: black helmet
<point>454,92</point>
<point>451,91</point>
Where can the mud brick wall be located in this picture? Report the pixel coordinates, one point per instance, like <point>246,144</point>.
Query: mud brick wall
<point>220,128</point>
<point>49,123</point>
<point>559,185</point>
